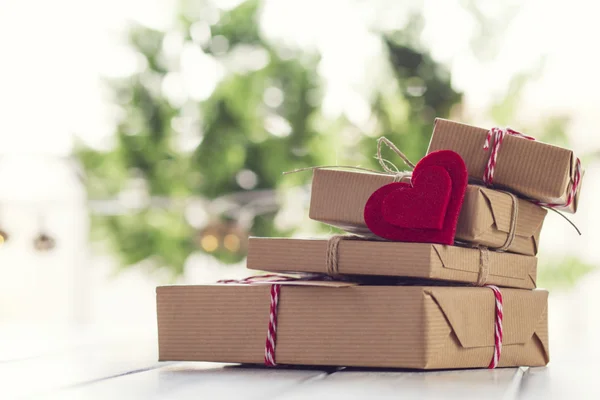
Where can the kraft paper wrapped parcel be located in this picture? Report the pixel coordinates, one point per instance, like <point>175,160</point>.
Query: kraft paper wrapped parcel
<point>358,300</point>
<point>338,198</point>
<point>453,264</point>
<point>530,168</point>
<point>337,324</point>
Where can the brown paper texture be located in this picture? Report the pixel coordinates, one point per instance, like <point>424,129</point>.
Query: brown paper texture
<point>364,326</point>
<point>338,198</point>
<point>383,258</point>
<point>532,169</point>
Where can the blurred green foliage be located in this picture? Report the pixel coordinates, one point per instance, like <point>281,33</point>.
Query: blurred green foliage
<point>422,92</point>
<point>562,273</point>
<point>224,153</point>
<point>259,121</point>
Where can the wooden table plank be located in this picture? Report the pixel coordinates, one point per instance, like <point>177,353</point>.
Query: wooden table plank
<point>38,375</point>
<point>194,381</point>
<point>21,342</point>
<point>564,380</point>
<point>574,347</point>
<point>355,384</point>
<point>190,380</point>
<point>128,370</point>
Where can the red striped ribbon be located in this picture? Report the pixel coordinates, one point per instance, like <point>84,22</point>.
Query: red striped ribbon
<point>272,329</point>
<point>271,340</point>
<point>498,333</point>
<point>494,138</point>
<point>260,279</point>
<point>572,192</point>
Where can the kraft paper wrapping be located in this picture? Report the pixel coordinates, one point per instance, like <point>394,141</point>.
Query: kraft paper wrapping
<point>364,326</point>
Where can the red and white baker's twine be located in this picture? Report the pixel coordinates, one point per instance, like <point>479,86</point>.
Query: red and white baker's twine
<point>271,340</point>
<point>272,329</point>
<point>261,279</point>
<point>496,135</point>
<point>494,138</point>
<point>572,192</point>
<point>497,327</point>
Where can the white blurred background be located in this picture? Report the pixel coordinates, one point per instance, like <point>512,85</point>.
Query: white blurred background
<point>55,55</point>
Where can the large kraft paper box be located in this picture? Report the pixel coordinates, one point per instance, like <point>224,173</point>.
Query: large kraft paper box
<point>338,198</point>
<point>533,169</point>
<point>383,258</point>
<point>364,326</point>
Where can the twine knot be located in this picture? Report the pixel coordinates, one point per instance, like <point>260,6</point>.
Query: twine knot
<point>332,253</point>
<point>494,138</point>
<point>386,163</point>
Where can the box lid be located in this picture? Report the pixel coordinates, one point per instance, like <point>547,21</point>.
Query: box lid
<point>339,197</point>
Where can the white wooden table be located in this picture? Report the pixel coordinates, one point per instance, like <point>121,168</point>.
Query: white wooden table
<point>71,365</point>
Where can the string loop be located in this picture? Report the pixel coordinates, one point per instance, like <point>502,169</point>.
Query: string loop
<point>385,164</point>
<point>380,142</point>
<point>513,223</point>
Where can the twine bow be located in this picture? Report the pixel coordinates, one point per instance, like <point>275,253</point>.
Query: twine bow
<point>385,164</point>
<point>494,139</point>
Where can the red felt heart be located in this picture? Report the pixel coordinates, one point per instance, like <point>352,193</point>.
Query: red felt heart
<point>427,209</point>
<point>399,206</point>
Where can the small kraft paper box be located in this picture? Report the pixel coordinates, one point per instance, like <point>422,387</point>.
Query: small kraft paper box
<point>530,168</point>
<point>421,327</point>
<point>398,259</point>
<point>338,198</point>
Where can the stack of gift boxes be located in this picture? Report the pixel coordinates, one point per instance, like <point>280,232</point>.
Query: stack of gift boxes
<point>392,292</point>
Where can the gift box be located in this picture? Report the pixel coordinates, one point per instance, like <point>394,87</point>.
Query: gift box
<point>338,198</point>
<point>536,170</point>
<point>422,327</point>
<point>382,258</point>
